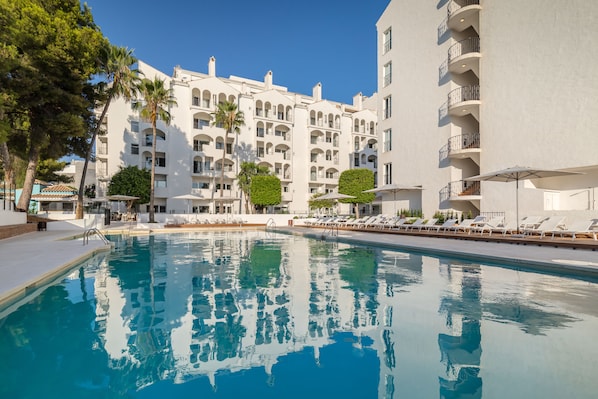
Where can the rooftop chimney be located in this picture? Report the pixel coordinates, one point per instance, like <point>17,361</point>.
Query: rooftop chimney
<point>212,66</point>
<point>268,80</point>
<point>317,92</point>
<point>358,101</point>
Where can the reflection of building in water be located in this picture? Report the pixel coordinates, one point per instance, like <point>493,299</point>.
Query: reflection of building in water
<point>461,348</point>
<point>230,303</point>
<point>396,272</point>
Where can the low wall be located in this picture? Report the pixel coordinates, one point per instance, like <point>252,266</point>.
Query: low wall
<point>279,219</point>
<point>8,218</point>
<point>90,221</point>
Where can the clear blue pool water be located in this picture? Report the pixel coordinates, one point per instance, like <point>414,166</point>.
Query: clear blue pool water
<point>257,315</point>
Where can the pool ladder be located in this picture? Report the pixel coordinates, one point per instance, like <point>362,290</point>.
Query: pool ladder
<point>331,231</point>
<point>97,232</point>
<point>270,223</point>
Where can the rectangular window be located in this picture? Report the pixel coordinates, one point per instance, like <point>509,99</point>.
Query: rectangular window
<point>387,40</point>
<point>387,74</point>
<point>135,149</point>
<point>135,126</point>
<point>195,101</point>
<point>206,103</point>
<point>387,140</point>
<point>356,160</point>
<point>388,173</point>
<point>387,107</point>
<point>200,123</point>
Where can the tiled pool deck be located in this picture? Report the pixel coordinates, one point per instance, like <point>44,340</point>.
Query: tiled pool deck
<point>30,260</point>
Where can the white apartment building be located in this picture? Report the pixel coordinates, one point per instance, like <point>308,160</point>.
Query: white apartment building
<point>306,141</point>
<point>468,87</point>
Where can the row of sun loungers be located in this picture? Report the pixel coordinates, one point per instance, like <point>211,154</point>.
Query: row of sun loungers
<point>530,226</point>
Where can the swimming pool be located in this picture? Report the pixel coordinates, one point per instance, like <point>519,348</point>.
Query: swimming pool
<point>257,314</point>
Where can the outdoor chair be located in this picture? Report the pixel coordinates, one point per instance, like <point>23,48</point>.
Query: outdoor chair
<point>448,224</point>
<point>551,224</point>
<point>494,223</point>
<point>426,224</point>
<point>579,227</point>
<point>415,225</point>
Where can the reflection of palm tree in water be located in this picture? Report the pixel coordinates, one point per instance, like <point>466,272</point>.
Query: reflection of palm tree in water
<point>461,353</point>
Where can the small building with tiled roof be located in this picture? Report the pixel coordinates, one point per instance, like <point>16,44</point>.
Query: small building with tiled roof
<point>58,198</point>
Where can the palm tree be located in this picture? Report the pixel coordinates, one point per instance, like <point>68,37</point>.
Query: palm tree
<point>248,170</point>
<point>156,99</point>
<point>116,64</point>
<point>231,119</point>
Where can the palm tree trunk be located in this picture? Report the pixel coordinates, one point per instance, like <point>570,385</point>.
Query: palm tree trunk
<point>153,174</point>
<point>79,209</point>
<point>222,174</point>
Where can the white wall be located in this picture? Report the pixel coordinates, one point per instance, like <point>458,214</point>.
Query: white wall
<point>8,218</point>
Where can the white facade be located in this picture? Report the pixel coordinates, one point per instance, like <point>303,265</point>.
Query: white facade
<point>477,86</point>
<point>306,141</point>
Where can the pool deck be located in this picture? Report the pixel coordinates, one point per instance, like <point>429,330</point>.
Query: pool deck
<point>30,260</point>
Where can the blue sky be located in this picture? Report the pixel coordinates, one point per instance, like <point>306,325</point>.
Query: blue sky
<point>303,42</point>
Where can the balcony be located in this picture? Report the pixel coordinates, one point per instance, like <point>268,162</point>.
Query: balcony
<point>465,56</point>
<point>462,14</point>
<point>464,146</point>
<point>462,191</point>
<point>464,101</point>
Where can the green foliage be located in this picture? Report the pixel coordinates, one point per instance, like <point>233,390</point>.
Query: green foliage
<point>247,172</point>
<point>131,181</point>
<point>315,203</point>
<point>45,85</point>
<point>409,213</point>
<point>262,268</point>
<point>354,182</point>
<point>357,267</point>
<point>46,171</point>
<point>157,98</point>
<point>228,117</point>
<point>265,191</point>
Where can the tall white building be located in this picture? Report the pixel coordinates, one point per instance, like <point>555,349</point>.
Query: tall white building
<point>305,140</point>
<point>468,87</point>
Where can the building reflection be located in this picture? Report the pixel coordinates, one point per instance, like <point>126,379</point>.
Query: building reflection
<point>182,307</point>
<point>461,348</point>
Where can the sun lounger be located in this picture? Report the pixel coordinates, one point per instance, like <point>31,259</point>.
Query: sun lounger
<point>466,224</point>
<point>449,223</point>
<point>551,224</point>
<point>428,223</point>
<point>416,223</point>
<point>579,227</point>
<point>494,223</point>
<point>530,222</point>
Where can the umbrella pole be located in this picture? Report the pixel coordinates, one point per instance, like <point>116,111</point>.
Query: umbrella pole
<point>517,204</point>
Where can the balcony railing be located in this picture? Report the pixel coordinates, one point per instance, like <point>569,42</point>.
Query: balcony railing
<point>455,5</point>
<point>461,94</point>
<point>460,188</point>
<point>469,45</point>
<point>463,142</point>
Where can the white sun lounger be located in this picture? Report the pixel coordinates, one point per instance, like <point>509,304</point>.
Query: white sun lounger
<point>579,227</point>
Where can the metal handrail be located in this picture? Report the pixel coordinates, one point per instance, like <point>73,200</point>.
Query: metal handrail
<point>454,6</point>
<point>270,223</point>
<point>463,142</point>
<point>469,45</point>
<point>91,232</point>
<point>465,93</point>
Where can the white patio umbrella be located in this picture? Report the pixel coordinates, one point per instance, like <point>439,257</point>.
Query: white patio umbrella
<point>335,197</point>
<point>516,174</point>
<point>394,189</point>
<point>121,197</point>
<point>189,197</point>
